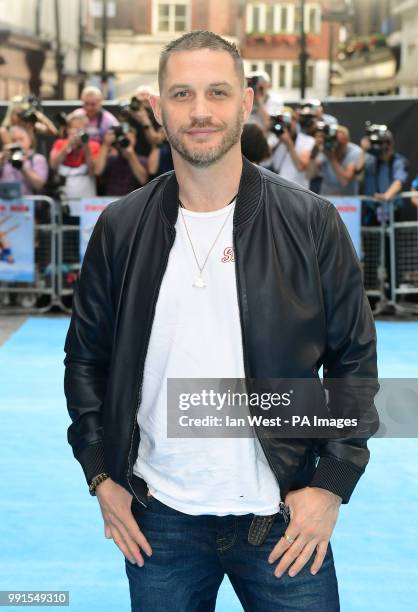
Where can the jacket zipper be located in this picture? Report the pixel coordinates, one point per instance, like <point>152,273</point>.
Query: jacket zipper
<point>139,392</point>
<point>282,505</point>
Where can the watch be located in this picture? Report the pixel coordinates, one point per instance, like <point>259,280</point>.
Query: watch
<point>96,481</point>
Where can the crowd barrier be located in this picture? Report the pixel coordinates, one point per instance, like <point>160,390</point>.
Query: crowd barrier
<point>388,254</point>
<point>40,294</point>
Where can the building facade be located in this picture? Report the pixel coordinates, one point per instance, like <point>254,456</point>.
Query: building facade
<point>370,56</point>
<point>46,47</point>
<point>407,77</point>
<point>268,34</point>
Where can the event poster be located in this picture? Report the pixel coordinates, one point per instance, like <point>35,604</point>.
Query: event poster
<point>89,210</point>
<point>350,212</point>
<point>17,261</point>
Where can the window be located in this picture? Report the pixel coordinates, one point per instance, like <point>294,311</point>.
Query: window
<point>313,19</point>
<point>297,24</point>
<point>268,67</point>
<point>282,75</point>
<point>163,17</point>
<point>256,19</point>
<point>309,75</point>
<point>284,19</point>
<point>172,16</point>
<point>296,76</point>
<point>270,18</point>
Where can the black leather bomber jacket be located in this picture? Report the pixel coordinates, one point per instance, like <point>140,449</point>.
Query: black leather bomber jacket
<point>301,302</point>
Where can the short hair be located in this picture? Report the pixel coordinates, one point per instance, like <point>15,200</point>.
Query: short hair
<point>144,89</point>
<point>20,128</point>
<point>76,115</point>
<point>200,39</point>
<point>91,90</point>
<point>261,74</point>
<point>344,130</point>
<point>254,145</point>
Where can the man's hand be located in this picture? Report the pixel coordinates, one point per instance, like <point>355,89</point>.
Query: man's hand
<point>128,152</point>
<point>109,138</point>
<point>120,524</point>
<point>286,139</point>
<point>383,197</point>
<point>313,514</point>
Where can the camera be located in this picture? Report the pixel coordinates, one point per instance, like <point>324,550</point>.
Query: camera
<point>329,132</point>
<point>306,119</point>
<point>253,82</point>
<point>29,115</point>
<point>379,137</point>
<point>61,119</point>
<point>121,131</point>
<point>84,137</point>
<point>281,123</point>
<point>133,106</point>
<point>16,157</point>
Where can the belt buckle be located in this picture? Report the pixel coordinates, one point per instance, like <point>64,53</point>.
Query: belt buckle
<point>259,529</point>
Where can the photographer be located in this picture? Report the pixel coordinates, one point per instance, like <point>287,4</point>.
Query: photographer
<point>99,120</point>
<point>26,112</point>
<point>292,152</point>
<point>385,171</point>
<point>19,162</point>
<point>138,113</point>
<point>74,157</point>
<point>121,168</point>
<point>254,145</point>
<point>315,107</point>
<point>414,187</point>
<point>266,102</point>
<point>160,159</point>
<point>336,160</point>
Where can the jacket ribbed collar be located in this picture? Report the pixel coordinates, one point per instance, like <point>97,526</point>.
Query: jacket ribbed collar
<point>248,199</point>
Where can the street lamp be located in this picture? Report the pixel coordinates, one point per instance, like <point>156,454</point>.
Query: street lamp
<point>303,57</point>
<point>341,15</point>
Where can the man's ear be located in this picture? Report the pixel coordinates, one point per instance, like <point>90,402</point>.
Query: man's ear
<point>247,102</point>
<point>154,100</point>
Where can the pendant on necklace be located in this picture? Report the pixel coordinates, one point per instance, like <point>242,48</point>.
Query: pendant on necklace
<point>199,283</point>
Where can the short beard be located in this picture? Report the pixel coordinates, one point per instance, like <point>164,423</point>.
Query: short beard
<point>204,159</point>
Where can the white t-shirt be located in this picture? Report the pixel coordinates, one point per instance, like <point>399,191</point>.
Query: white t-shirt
<point>281,161</point>
<point>196,334</point>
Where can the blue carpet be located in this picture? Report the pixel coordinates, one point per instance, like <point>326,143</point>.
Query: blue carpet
<point>51,530</point>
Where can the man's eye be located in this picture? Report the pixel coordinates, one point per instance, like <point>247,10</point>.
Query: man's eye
<point>181,94</point>
<point>219,93</point>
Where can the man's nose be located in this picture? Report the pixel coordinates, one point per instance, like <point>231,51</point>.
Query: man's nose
<point>200,108</point>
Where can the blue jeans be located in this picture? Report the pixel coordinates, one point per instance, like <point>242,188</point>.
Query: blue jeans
<point>191,555</point>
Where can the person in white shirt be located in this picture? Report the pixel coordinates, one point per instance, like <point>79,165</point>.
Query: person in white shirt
<point>208,270</point>
<point>292,153</point>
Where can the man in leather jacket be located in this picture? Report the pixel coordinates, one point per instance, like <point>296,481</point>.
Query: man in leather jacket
<point>219,269</point>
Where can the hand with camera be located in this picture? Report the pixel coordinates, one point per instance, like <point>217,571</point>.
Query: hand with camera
<point>365,143</point>
<point>16,155</point>
<point>143,117</point>
<point>286,138</point>
<point>21,163</point>
<point>109,139</point>
<point>4,157</point>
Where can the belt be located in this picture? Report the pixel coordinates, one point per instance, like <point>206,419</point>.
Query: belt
<point>261,525</point>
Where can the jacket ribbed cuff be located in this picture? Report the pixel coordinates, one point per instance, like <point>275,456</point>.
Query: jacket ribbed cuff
<point>336,476</point>
<point>92,460</point>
